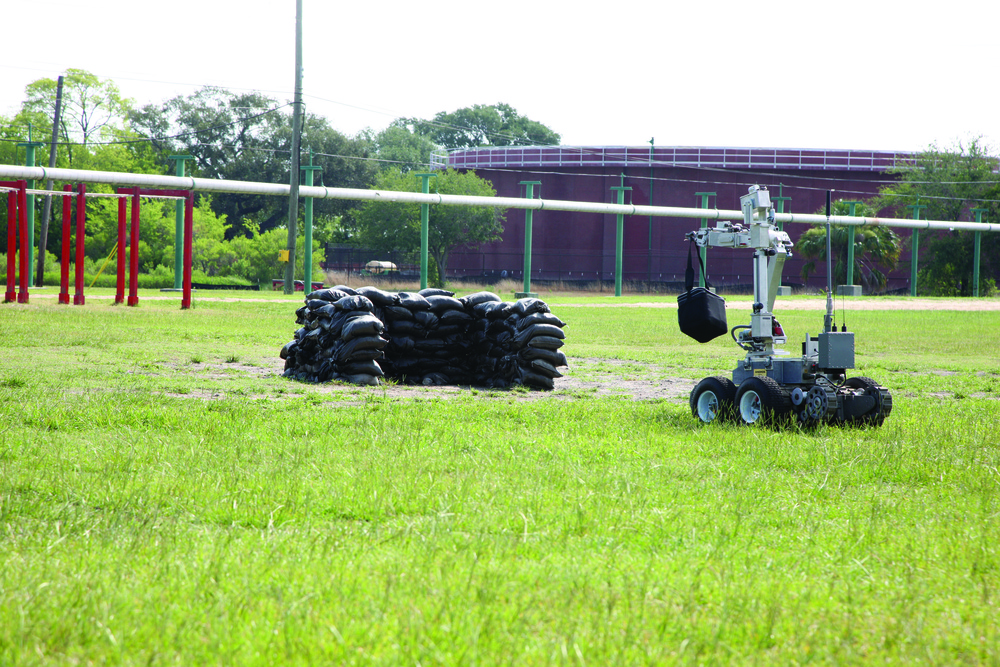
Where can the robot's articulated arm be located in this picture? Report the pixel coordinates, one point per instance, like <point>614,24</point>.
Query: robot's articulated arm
<point>771,247</point>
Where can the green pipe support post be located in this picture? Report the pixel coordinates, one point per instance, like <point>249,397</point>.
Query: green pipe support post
<point>29,161</point>
<point>179,224</point>
<point>619,236</point>
<point>704,223</point>
<point>307,258</point>
<point>851,242</point>
<point>780,201</point>
<point>649,261</point>
<point>915,246</point>
<point>425,215</point>
<point>976,251</point>
<point>529,193</point>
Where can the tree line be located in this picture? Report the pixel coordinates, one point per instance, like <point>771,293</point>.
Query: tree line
<point>246,136</point>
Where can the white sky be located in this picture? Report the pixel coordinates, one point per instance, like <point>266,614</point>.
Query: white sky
<point>847,74</point>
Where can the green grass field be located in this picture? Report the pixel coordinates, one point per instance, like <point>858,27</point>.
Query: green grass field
<point>167,498</point>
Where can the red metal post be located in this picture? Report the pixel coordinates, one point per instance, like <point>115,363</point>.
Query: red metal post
<point>133,253</point>
<point>120,265</point>
<point>188,235</point>
<point>22,214</point>
<point>67,208</point>
<point>11,244</point>
<point>81,221</point>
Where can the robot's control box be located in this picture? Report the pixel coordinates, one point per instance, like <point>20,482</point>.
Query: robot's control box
<point>836,349</point>
<point>763,199</point>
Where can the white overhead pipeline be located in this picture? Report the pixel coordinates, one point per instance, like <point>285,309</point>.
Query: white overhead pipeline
<point>278,189</point>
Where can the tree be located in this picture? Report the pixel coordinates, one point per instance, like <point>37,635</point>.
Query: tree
<point>248,137</point>
<point>387,226</point>
<point>875,249</point>
<point>401,146</point>
<point>951,183</point>
<point>484,125</point>
<point>93,109</point>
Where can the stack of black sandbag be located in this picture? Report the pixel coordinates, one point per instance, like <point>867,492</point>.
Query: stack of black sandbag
<point>427,337</point>
<point>515,343</point>
<point>340,339</point>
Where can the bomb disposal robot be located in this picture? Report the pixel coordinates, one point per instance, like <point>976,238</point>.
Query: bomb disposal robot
<point>770,385</point>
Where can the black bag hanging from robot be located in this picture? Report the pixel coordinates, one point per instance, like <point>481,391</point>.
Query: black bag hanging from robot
<point>701,313</point>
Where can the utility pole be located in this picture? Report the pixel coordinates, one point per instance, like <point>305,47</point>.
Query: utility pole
<point>47,211</point>
<point>293,195</point>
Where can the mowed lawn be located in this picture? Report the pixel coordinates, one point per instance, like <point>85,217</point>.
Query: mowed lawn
<point>167,498</point>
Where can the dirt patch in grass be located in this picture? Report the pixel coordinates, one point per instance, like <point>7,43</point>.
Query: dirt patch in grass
<point>585,378</point>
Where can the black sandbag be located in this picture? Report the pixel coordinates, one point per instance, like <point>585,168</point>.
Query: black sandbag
<point>497,327</point>
<point>288,349</point>
<point>554,357</point>
<point>412,365</point>
<point>334,324</point>
<point>355,302</point>
<point>454,317</point>
<point>435,379</point>
<point>426,319</point>
<point>434,291</point>
<point>471,300</point>
<point>441,303</point>
<point>362,326</point>
<point>329,294</point>
<point>449,329</point>
<point>537,380</point>
<point>378,297</point>
<point>544,368</point>
<point>401,343</point>
<point>397,313</point>
<point>490,310</point>
<point>369,367</point>
<point>346,352</point>
<point>323,370</point>
<point>349,291</point>
<point>545,342</point>
<point>430,344</point>
<point>540,330</point>
<point>529,305</point>
<point>504,338</point>
<point>314,304</point>
<point>413,301</point>
<point>362,379</point>
<point>300,314</point>
<point>326,311</point>
<point>406,328</point>
<point>363,355</point>
<point>539,318</point>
